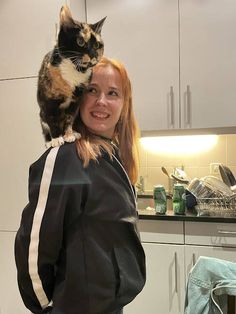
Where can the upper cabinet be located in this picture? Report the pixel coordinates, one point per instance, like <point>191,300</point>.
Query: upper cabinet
<point>208,63</point>
<point>181,57</point>
<point>28,32</point>
<point>144,36</point>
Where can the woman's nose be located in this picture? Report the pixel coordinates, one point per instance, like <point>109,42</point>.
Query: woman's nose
<point>101,99</point>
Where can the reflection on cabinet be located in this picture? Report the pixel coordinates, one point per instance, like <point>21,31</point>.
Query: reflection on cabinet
<point>180,56</point>
<point>163,292</point>
<point>10,300</point>
<point>27,32</point>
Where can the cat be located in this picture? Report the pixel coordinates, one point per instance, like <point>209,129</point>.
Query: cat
<point>64,74</point>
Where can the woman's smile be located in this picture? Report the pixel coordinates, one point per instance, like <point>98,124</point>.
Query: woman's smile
<point>99,115</point>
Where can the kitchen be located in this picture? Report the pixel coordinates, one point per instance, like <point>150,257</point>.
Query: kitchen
<point>184,85</point>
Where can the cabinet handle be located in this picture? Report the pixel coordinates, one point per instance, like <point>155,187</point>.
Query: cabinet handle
<point>171,113</point>
<point>176,273</point>
<point>187,109</point>
<point>194,259</point>
<point>226,232</point>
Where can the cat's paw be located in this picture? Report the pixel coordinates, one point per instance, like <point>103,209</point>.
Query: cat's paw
<point>71,137</point>
<point>58,141</point>
<point>48,144</point>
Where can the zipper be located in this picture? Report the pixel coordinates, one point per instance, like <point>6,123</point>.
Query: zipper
<point>132,190</point>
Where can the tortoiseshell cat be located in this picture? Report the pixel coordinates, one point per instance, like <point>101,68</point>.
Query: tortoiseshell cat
<point>64,73</point>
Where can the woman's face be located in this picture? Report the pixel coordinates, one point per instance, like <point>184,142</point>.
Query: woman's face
<point>103,101</point>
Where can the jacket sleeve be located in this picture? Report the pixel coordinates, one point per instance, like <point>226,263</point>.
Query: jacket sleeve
<point>39,239</point>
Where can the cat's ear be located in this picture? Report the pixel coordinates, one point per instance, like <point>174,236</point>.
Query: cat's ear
<point>66,19</point>
<point>97,27</point>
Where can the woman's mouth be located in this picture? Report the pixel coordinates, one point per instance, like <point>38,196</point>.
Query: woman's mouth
<point>99,115</point>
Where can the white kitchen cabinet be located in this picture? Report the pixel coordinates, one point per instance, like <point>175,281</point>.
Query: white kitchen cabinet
<point>10,299</point>
<point>164,289</point>
<point>216,240</point>
<point>28,32</point>
<point>22,144</point>
<point>163,292</point>
<point>180,56</point>
<point>208,63</point>
<point>211,239</point>
<point>144,36</point>
<point>172,248</point>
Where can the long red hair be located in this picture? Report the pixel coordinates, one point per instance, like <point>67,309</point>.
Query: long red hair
<point>126,132</point>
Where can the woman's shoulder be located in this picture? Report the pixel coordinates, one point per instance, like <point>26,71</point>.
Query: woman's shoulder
<point>60,155</point>
<point>61,164</point>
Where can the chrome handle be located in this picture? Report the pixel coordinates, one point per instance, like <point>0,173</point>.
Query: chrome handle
<point>176,273</point>
<point>226,232</point>
<point>187,113</point>
<point>194,259</point>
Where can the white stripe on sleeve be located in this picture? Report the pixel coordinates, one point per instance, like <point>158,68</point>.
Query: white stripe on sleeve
<point>37,220</point>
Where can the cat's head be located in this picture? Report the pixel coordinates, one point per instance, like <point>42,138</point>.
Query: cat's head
<point>80,42</point>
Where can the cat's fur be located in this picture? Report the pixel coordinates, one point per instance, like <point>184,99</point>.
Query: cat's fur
<point>64,73</point>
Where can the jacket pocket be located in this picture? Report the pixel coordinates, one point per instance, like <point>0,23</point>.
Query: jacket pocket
<point>129,270</point>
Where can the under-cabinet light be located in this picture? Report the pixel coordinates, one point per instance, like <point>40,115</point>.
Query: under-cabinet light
<point>188,145</point>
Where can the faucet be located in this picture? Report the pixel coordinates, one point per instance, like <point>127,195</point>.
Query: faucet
<point>140,185</point>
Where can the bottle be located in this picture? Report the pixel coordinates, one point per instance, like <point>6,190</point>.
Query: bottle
<point>159,196</point>
<point>179,199</point>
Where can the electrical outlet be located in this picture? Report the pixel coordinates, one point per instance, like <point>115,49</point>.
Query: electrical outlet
<point>214,168</point>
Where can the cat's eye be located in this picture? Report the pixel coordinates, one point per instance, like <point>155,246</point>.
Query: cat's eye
<point>80,42</point>
<point>96,45</point>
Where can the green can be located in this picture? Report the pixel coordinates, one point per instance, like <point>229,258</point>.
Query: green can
<point>179,199</point>
<point>159,196</point>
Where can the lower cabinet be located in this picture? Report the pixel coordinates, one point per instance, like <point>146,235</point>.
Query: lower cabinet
<point>163,292</point>
<point>164,289</point>
<point>172,248</point>
<point>10,299</point>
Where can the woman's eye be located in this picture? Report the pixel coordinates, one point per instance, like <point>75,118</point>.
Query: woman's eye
<point>113,93</point>
<point>81,42</point>
<point>91,90</point>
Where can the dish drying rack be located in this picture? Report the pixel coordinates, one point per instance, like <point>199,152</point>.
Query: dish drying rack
<point>224,206</point>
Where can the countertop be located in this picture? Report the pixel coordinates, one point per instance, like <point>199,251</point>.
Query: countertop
<point>189,216</point>
<point>146,201</point>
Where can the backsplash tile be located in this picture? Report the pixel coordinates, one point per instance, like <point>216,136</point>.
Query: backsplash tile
<point>197,165</point>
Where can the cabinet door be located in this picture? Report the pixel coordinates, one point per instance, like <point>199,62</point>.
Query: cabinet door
<point>144,36</point>
<point>164,289</point>
<point>10,299</point>
<point>207,63</point>
<point>22,144</point>
<point>27,33</point>
<point>192,253</point>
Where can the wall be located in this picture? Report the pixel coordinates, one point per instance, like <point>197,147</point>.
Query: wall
<point>197,165</point>
<point>27,31</point>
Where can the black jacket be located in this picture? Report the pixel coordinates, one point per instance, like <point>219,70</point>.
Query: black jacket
<point>77,244</point>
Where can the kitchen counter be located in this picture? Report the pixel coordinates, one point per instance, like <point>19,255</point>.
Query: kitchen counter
<point>189,216</point>
<point>146,201</point>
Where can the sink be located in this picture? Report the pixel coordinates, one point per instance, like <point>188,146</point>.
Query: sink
<point>145,201</point>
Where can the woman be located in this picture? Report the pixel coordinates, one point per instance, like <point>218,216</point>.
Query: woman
<point>77,249</point>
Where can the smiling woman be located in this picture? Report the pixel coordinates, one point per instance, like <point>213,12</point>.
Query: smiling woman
<point>103,101</point>
<point>78,249</point>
